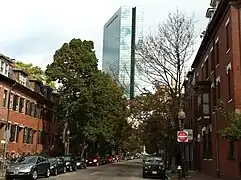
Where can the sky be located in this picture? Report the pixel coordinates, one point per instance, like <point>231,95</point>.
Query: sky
<point>32,30</point>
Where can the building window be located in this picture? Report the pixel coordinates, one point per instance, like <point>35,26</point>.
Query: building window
<point>6,69</point>
<point>11,101</point>
<point>206,69</point>
<point>15,102</point>
<point>218,90</point>
<point>229,84</point>
<point>2,67</point>
<point>213,59</point>
<point>227,29</point>
<point>27,107</point>
<point>14,133</point>
<point>21,105</point>
<point>231,150</point>
<point>30,136</point>
<point>32,107</point>
<point>5,95</point>
<point>22,79</point>
<point>217,52</point>
<point>25,135</point>
<point>206,104</point>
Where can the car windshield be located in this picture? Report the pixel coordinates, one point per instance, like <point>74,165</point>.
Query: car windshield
<point>67,158</point>
<point>27,160</point>
<point>52,160</point>
<point>78,158</point>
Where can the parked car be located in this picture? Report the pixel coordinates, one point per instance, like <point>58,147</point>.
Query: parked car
<point>117,158</point>
<point>103,160</point>
<point>57,165</point>
<point>28,167</point>
<point>129,157</point>
<point>70,162</point>
<point>109,158</point>
<point>81,162</point>
<point>94,160</point>
<point>154,167</point>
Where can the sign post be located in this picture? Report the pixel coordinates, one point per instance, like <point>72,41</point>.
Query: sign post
<point>182,136</point>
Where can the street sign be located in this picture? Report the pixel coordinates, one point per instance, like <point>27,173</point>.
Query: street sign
<point>182,136</point>
<point>190,134</point>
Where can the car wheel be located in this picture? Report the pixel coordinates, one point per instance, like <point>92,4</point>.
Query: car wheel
<point>47,173</point>
<point>64,171</point>
<point>9,178</point>
<point>144,175</point>
<point>70,168</point>
<point>34,174</point>
<point>55,171</point>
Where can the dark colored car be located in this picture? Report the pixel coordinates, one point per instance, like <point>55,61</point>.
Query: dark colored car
<point>154,167</point>
<point>103,160</point>
<point>57,165</point>
<point>70,162</point>
<point>28,167</point>
<point>81,162</point>
<point>94,160</point>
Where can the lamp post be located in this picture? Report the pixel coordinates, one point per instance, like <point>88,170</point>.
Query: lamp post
<point>181,118</point>
<point>67,137</point>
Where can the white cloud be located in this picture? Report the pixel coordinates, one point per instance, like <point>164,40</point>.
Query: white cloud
<point>31,31</point>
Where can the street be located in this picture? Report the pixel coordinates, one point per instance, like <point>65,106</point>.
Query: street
<point>128,170</point>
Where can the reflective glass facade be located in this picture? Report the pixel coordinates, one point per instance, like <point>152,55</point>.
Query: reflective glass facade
<point>117,46</point>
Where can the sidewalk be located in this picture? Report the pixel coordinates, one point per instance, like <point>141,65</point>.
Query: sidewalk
<point>195,176</point>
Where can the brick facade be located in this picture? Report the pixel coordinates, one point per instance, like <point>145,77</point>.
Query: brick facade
<point>216,78</point>
<point>31,126</point>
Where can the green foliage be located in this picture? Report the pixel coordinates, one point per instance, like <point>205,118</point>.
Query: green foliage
<point>35,72</point>
<point>90,100</point>
<point>233,132</point>
<point>152,111</point>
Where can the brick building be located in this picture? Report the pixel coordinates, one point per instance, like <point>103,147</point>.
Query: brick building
<point>29,122</point>
<point>216,77</point>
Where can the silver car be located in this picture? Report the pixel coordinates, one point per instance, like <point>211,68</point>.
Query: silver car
<point>28,167</point>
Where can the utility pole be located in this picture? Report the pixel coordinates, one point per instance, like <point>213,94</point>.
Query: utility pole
<point>6,131</point>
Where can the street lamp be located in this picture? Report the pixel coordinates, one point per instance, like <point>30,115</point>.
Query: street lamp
<point>181,118</point>
<point>67,137</point>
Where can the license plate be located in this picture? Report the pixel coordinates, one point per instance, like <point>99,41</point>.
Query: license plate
<point>90,162</point>
<point>154,172</point>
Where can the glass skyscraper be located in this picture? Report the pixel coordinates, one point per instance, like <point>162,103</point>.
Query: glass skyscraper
<point>121,34</point>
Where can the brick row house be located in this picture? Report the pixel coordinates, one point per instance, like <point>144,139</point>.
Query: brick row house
<point>28,121</point>
<point>215,78</point>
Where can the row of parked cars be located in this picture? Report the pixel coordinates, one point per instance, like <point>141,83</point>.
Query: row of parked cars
<point>34,166</point>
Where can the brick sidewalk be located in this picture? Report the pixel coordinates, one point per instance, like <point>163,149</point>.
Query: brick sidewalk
<point>196,176</point>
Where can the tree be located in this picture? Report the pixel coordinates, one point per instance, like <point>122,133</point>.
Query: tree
<point>90,101</point>
<point>35,72</point>
<point>152,111</point>
<point>163,55</point>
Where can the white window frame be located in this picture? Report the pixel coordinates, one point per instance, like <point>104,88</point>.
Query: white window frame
<point>22,79</point>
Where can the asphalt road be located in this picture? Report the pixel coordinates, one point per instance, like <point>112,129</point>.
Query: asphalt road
<point>126,170</point>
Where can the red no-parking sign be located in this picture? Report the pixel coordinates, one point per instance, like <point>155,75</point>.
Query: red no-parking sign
<point>182,136</point>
